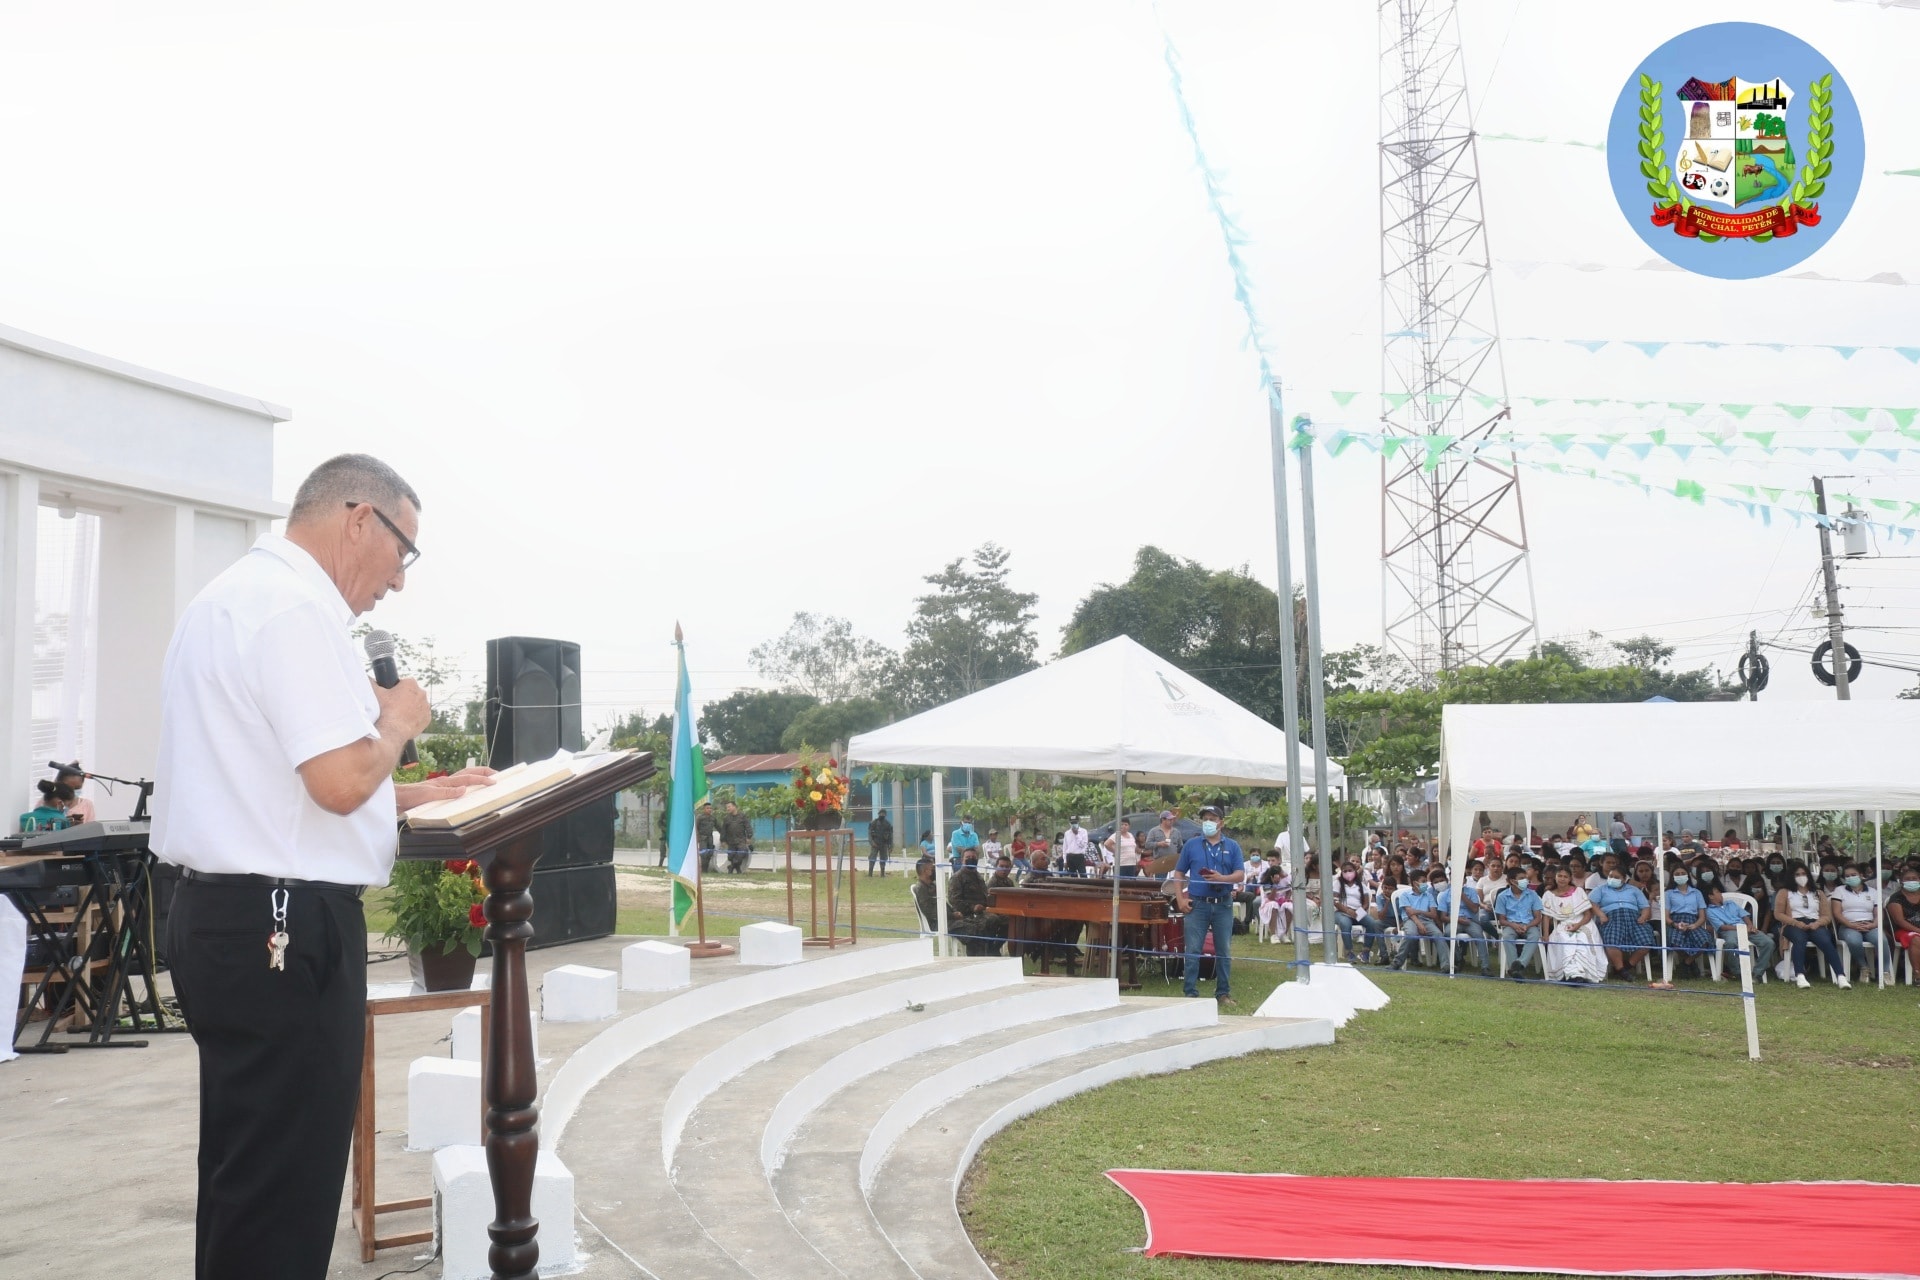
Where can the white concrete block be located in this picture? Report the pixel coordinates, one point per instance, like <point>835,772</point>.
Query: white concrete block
<point>655,966</point>
<point>770,944</point>
<point>466,1036</point>
<point>443,1103</point>
<point>1332,991</point>
<point>463,1206</point>
<point>576,993</point>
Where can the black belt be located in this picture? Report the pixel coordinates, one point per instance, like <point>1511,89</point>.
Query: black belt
<point>270,882</point>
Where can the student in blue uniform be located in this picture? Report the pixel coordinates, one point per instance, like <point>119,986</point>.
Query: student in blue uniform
<point>1469,918</point>
<point>1687,932</point>
<point>1624,915</point>
<point>1517,908</point>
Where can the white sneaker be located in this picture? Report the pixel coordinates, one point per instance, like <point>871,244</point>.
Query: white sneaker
<point>1840,980</point>
<point>1802,982</point>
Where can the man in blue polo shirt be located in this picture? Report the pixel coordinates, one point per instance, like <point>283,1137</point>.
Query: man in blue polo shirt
<point>1210,865</point>
<point>1516,909</point>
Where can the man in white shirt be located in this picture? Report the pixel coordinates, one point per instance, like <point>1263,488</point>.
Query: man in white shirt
<point>1073,848</point>
<point>274,794</point>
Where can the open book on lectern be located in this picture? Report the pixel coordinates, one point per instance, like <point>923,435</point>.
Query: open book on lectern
<point>509,787</point>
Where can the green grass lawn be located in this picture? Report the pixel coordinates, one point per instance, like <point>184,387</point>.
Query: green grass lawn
<point>1460,1078</point>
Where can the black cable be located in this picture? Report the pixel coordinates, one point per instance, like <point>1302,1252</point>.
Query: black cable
<point>411,1270</point>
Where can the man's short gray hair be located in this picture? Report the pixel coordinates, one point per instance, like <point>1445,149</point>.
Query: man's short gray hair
<point>350,477</point>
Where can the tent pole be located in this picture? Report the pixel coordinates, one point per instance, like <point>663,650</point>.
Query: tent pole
<point>1289,672</point>
<point>1660,870</point>
<point>1119,812</point>
<point>1317,706</point>
<point>1880,908</point>
<point>940,864</point>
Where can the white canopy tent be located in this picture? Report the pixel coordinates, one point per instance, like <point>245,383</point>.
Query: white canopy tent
<point>1113,711</point>
<point>1681,755</point>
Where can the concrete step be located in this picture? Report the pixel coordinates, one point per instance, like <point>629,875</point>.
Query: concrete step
<point>821,1172</point>
<point>912,1177</point>
<point>622,1184</point>
<point>718,1170</point>
<point>662,1018</point>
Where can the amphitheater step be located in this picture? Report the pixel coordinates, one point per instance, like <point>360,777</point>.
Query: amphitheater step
<point>613,1140</point>
<point>915,1180</point>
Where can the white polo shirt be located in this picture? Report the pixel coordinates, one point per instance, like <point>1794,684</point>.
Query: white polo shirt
<point>260,678</point>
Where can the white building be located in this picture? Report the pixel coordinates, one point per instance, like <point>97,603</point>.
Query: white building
<point>122,493</point>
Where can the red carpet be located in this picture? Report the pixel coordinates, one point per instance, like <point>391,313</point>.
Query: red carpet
<point>1591,1228</point>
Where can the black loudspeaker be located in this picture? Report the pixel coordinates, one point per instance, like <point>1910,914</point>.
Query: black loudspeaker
<point>533,699</point>
<point>572,903</point>
<point>533,710</point>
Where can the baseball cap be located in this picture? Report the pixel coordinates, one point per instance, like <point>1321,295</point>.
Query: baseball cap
<point>1210,808</point>
<point>1165,814</point>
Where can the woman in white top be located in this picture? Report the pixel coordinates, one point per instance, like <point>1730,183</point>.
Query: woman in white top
<point>1575,952</point>
<point>1803,916</point>
<point>1855,903</point>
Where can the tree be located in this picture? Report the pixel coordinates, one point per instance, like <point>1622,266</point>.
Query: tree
<point>820,655</point>
<point>1400,729</point>
<point>826,723</point>
<point>971,631</point>
<point>1221,625</point>
<point>750,721</point>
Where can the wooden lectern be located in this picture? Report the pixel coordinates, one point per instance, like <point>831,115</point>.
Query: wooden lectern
<point>506,845</point>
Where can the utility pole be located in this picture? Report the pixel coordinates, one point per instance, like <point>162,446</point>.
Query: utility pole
<point>1835,633</point>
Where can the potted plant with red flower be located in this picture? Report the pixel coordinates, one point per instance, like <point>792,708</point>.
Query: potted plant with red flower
<point>438,912</point>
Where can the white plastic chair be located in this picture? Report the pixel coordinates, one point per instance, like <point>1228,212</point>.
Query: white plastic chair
<point>1747,903</point>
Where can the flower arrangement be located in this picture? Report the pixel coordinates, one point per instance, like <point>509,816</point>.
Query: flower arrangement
<point>438,905</point>
<point>818,788</point>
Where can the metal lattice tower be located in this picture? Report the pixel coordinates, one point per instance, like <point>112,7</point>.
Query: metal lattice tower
<point>1457,587</point>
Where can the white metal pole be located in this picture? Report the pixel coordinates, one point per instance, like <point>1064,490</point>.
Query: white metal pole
<point>1317,708</point>
<point>1746,987</point>
<point>1119,812</point>
<point>1289,676</point>
<point>1660,869</point>
<point>941,868</point>
<point>1879,909</point>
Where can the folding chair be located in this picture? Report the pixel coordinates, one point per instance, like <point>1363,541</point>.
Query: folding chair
<point>1746,902</point>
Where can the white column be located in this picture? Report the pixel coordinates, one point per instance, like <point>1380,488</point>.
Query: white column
<point>939,784</point>
<point>19,546</point>
<point>146,564</point>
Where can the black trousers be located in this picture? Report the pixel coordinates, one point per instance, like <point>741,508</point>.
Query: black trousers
<point>279,1072</point>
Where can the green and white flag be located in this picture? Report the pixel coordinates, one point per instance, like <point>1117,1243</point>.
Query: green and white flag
<point>688,793</point>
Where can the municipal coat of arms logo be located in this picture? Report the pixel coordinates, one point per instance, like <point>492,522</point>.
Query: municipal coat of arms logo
<point>1747,175</point>
<point>1736,154</point>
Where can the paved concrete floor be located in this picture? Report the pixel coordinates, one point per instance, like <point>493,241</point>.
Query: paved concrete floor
<point>100,1146</point>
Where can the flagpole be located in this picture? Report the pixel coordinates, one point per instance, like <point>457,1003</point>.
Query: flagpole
<point>699,949</point>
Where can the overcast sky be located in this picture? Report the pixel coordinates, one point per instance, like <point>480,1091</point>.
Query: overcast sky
<point>711,312</point>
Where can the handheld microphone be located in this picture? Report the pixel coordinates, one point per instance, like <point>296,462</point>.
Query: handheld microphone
<point>386,674</point>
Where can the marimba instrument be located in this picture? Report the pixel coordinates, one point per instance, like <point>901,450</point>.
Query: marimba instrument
<point>1080,900</point>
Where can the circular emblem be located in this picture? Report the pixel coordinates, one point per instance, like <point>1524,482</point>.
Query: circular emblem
<point>1735,150</point>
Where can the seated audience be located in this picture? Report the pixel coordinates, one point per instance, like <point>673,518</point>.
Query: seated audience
<point>1574,949</point>
<point>1903,914</point>
<point>1687,934</point>
<point>1469,923</point>
<point>1625,913</point>
<point>1804,917</point>
<point>1350,912</point>
<point>1855,905</point>
<point>1418,919</point>
<point>1724,918</point>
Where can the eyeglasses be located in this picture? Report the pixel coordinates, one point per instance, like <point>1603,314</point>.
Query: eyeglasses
<point>408,552</point>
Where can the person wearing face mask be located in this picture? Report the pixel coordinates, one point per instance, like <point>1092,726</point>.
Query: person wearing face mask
<point>1776,869</point>
<point>1380,919</point>
<point>1724,918</point>
<point>1350,912</point>
<point>1516,909</point>
<point>1073,848</point>
<point>963,842</point>
<point>1855,904</point>
<point>1210,865</point>
<point>1469,918</point>
<point>1418,919</point>
<point>1687,933</point>
<point>1804,918</point>
<point>1624,916</point>
<point>1903,915</point>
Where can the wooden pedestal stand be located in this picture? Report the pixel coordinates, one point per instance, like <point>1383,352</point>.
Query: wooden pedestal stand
<point>506,845</point>
<point>700,948</point>
<point>832,936</point>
